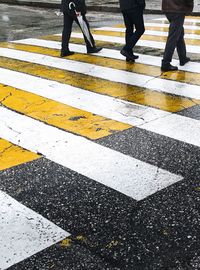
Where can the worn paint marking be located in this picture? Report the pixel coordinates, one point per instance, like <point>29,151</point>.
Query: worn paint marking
<point>112,30</point>
<point>13,155</point>
<point>142,43</point>
<point>121,172</point>
<point>120,90</point>
<point>155,38</point>
<point>23,232</point>
<point>58,114</point>
<point>122,111</point>
<point>34,45</point>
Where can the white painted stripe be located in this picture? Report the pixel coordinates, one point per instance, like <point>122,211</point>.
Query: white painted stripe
<point>176,127</point>
<point>23,232</point>
<point>189,27</point>
<point>147,32</point>
<point>112,108</point>
<point>123,173</point>
<point>186,20</point>
<point>153,83</point>
<point>142,43</point>
<point>109,53</point>
<point>50,44</point>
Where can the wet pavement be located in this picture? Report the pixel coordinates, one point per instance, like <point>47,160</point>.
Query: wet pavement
<point>99,158</point>
<point>152,6</point>
<point>19,22</point>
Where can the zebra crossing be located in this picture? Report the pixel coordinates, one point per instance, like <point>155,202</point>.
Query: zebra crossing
<point>64,111</point>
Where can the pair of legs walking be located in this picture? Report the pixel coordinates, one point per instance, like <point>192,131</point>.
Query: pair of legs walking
<point>175,40</point>
<point>132,19</point>
<point>67,29</point>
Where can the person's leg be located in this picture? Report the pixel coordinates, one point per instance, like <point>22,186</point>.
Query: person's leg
<point>129,29</point>
<point>89,40</point>
<point>68,21</point>
<point>181,48</point>
<point>175,30</point>
<point>138,22</point>
<point>131,19</point>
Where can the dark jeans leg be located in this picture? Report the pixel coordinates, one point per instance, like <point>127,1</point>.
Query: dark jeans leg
<point>68,21</point>
<point>131,19</point>
<point>175,37</point>
<point>90,43</point>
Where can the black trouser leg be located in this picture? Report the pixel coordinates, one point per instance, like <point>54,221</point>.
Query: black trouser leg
<point>129,30</point>
<point>131,19</point>
<point>68,21</point>
<point>181,48</point>
<point>89,40</point>
<point>175,37</point>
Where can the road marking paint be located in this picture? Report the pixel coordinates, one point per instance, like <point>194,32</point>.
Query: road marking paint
<point>165,28</point>
<point>23,232</point>
<point>109,53</point>
<point>123,173</point>
<point>116,64</point>
<point>57,113</point>
<point>176,127</point>
<point>125,112</point>
<point>186,21</point>
<point>142,43</point>
<point>110,74</point>
<point>189,27</point>
<point>120,91</point>
<point>156,25</point>
<point>147,33</point>
<point>155,38</point>
<point>13,155</point>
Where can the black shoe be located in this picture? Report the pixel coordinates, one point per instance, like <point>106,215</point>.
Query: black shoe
<point>94,50</point>
<point>184,61</point>
<point>129,56</point>
<point>168,67</point>
<point>129,60</point>
<point>66,53</point>
<point>135,56</point>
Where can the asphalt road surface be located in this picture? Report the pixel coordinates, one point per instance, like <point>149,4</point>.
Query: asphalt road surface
<point>99,157</point>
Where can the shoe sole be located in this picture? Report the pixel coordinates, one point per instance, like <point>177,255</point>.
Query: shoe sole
<point>129,58</point>
<point>165,70</point>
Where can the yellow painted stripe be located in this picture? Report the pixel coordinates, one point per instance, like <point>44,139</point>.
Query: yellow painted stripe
<point>81,41</point>
<point>130,93</point>
<point>12,155</point>
<point>186,23</point>
<point>57,114</point>
<point>125,92</point>
<point>166,22</point>
<point>163,29</point>
<point>181,76</point>
<point>193,17</point>
<point>195,42</point>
